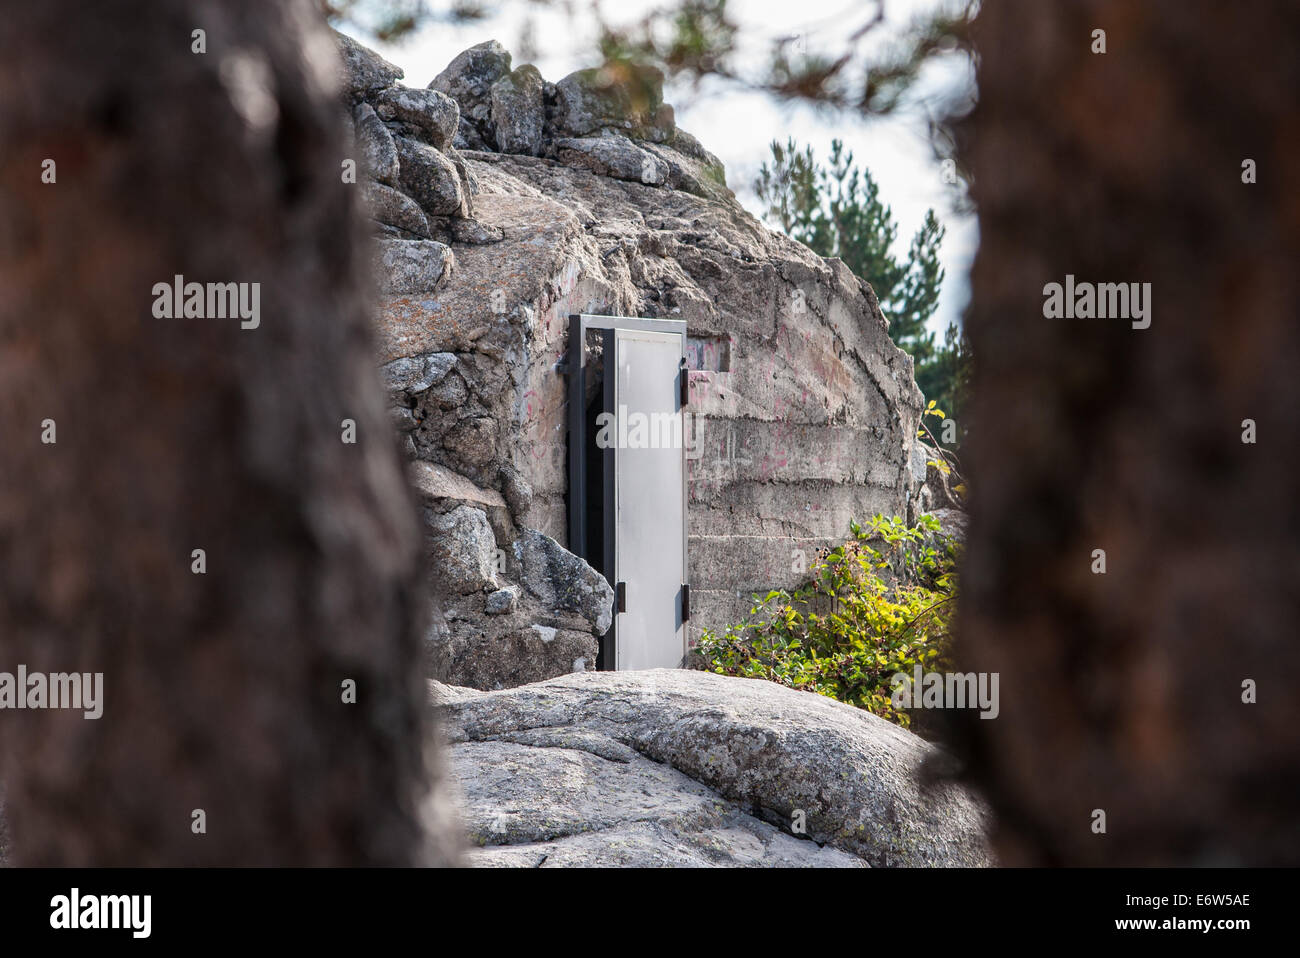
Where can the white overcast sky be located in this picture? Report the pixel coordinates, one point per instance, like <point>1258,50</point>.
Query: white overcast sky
<point>738,124</point>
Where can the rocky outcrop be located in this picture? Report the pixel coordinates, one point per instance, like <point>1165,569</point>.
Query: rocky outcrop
<point>589,119</point>
<point>415,186</point>
<point>469,79</point>
<point>505,204</point>
<point>583,196</point>
<point>673,767</point>
<point>365,72</point>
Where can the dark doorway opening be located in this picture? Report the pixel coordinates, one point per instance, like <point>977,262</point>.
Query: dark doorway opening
<point>595,549</point>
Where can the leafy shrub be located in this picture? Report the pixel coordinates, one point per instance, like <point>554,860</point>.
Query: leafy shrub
<point>880,603</point>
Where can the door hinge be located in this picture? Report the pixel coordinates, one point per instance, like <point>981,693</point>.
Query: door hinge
<point>620,597</point>
<point>686,602</point>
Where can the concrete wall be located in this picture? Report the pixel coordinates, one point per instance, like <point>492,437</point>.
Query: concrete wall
<point>808,425</point>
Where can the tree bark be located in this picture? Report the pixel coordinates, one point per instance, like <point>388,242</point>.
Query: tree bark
<point>1123,692</point>
<point>223,691</point>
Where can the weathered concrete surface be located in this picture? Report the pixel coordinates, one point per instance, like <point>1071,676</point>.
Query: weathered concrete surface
<point>673,767</point>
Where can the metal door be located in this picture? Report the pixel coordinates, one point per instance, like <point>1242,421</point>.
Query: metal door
<point>649,499</point>
<point>637,496</point>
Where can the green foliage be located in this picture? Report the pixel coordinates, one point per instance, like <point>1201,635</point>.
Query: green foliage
<point>880,603</point>
<point>942,464</point>
<point>946,378</point>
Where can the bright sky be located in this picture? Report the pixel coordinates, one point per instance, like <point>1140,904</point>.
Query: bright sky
<point>737,124</point>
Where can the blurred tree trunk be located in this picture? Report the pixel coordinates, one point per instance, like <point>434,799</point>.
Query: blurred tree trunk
<point>1123,692</point>
<point>222,691</point>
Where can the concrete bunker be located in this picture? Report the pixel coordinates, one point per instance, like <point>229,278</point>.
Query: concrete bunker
<point>503,208</point>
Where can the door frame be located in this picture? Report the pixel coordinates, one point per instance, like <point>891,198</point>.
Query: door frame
<point>576,368</point>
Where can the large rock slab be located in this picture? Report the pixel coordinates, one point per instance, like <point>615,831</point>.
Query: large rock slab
<point>613,155</point>
<point>438,482</point>
<point>412,375</point>
<point>674,767</point>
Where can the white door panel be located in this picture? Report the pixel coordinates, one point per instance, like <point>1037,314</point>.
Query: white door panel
<point>650,506</point>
